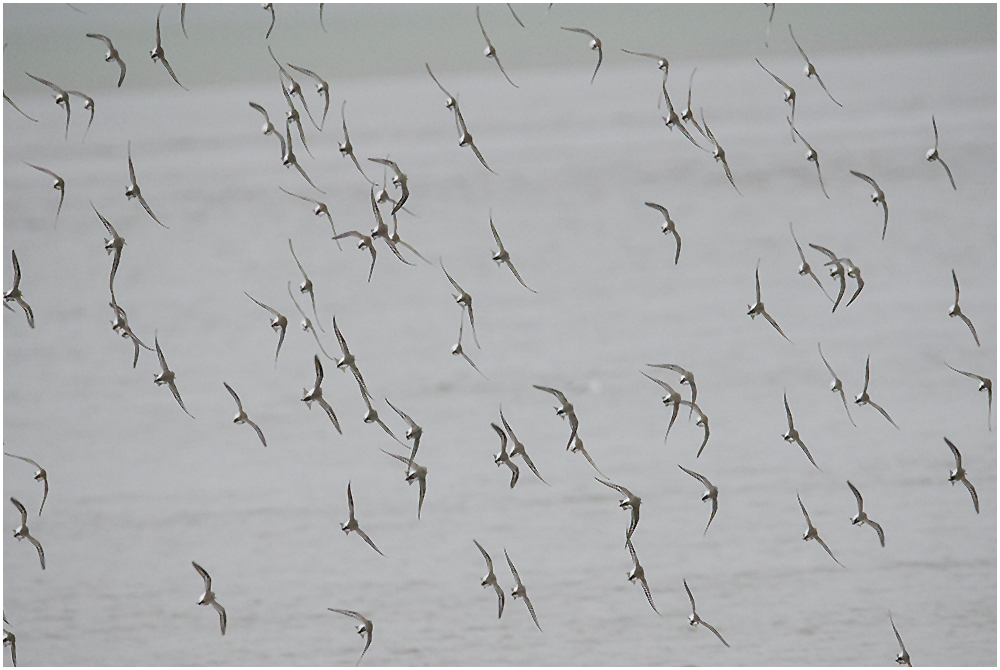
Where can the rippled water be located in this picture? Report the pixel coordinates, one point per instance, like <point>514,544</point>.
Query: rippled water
<point>139,490</point>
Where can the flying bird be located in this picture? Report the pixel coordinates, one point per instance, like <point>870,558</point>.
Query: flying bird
<point>503,458</point>
<point>770,17</point>
<point>316,395</point>
<point>307,324</point>
<point>694,619</point>
<point>414,432</point>
<point>661,62</point>
<point>371,416</point>
<point>687,379</point>
<point>719,154</point>
<point>878,198</point>
<point>836,386</point>
<point>15,292</point>
<point>268,127</point>
<point>241,416</point>
<point>414,473</point>
<point>399,179</point>
<point>279,323</point>
<point>289,158</point>
<point>167,376</point>
<point>381,230</point>
<point>851,270</point>
<point>518,449</point>
<point>21,532</point>
<point>956,475</point>
<point>208,597</point>
<point>88,103</point>
<point>132,190</point>
<point>810,69</point>
<point>346,148</point>
<point>115,244</point>
<point>112,55</point>
<point>595,45</point>
<point>307,286</point>
<point>579,448</point>
<point>793,435</point>
<point>322,88</point>
<point>352,522</point>
<point>292,115</point>
<point>701,422</point>
<point>120,326</point>
<point>465,138</point>
<point>758,307</point>
<point>672,398</point>
<point>464,300</point>
<point>804,267</point>
<point>366,242</point>
<point>365,628</point>
<point>957,311</point>
<point>639,573</point>
<point>40,476</point>
<point>62,97</point>
<point>491,579</point>
<point>985,384</point>
<point>687,114</point>
<point>668,227</point>
<point>564,410</point>
<point>711,493</point>
<point>671,120</point>
<point>503,257</point>
<point>10,640</point>
<point>863,399</point>
<point>11,103</point>
<point>789,95</point>
<point>811,532</point>
<point>157,53</point>
<point>838,271</point>
<point>812,156</point>
<point>903,658</point>
<point>519,591</point>
<point>348,360</point>
<point>398,242</point>
<point>458,350</point>
<point>268,6</point>
<point>58,184</point>
<point>630,501</point>
<point>862,518</point>
<point>932,155</point>
<point>490,52</point>
<point>515,15</point>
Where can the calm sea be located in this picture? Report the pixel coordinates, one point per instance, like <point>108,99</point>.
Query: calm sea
<point>139,489</point>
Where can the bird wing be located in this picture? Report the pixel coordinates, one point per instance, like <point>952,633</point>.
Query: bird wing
<point>774,323</point>
<point>259,432</point>
<point>866,178</point>
<point>803,508</point>
<point>883,412</point>
<point>222,615</point>
<point>531,610</point>
<point>878,529</point>
<point>514,472</point>
<point>700,478</point>
<point>503,439</point>
<point>972,492</point>
<point>239,405</point>
<point>41,554</point>
<point>857,495</point>
<point>823,544</point>
<point>20,508</point>
<point>582,31</point>
<point>483,30</point>
<point>272,311</point>
<point>797,43</point>
<point>513,570</point>
<point>367,539</point>
<point>453,282</point>
<point>489,561</point>
<point>177,397</point>
<point>972,328</point>
<point>558,394</point>
<point>788,413</point>
<point>946,169</point>
<point>715,508</point>
<point>712,628</point>
<point>204,576</point>
<point>690,596</point>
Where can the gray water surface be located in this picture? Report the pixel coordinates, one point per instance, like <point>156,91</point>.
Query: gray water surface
<point>139,490</point>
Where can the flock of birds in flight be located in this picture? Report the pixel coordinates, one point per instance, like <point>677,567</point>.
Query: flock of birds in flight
<point>841,269</point>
